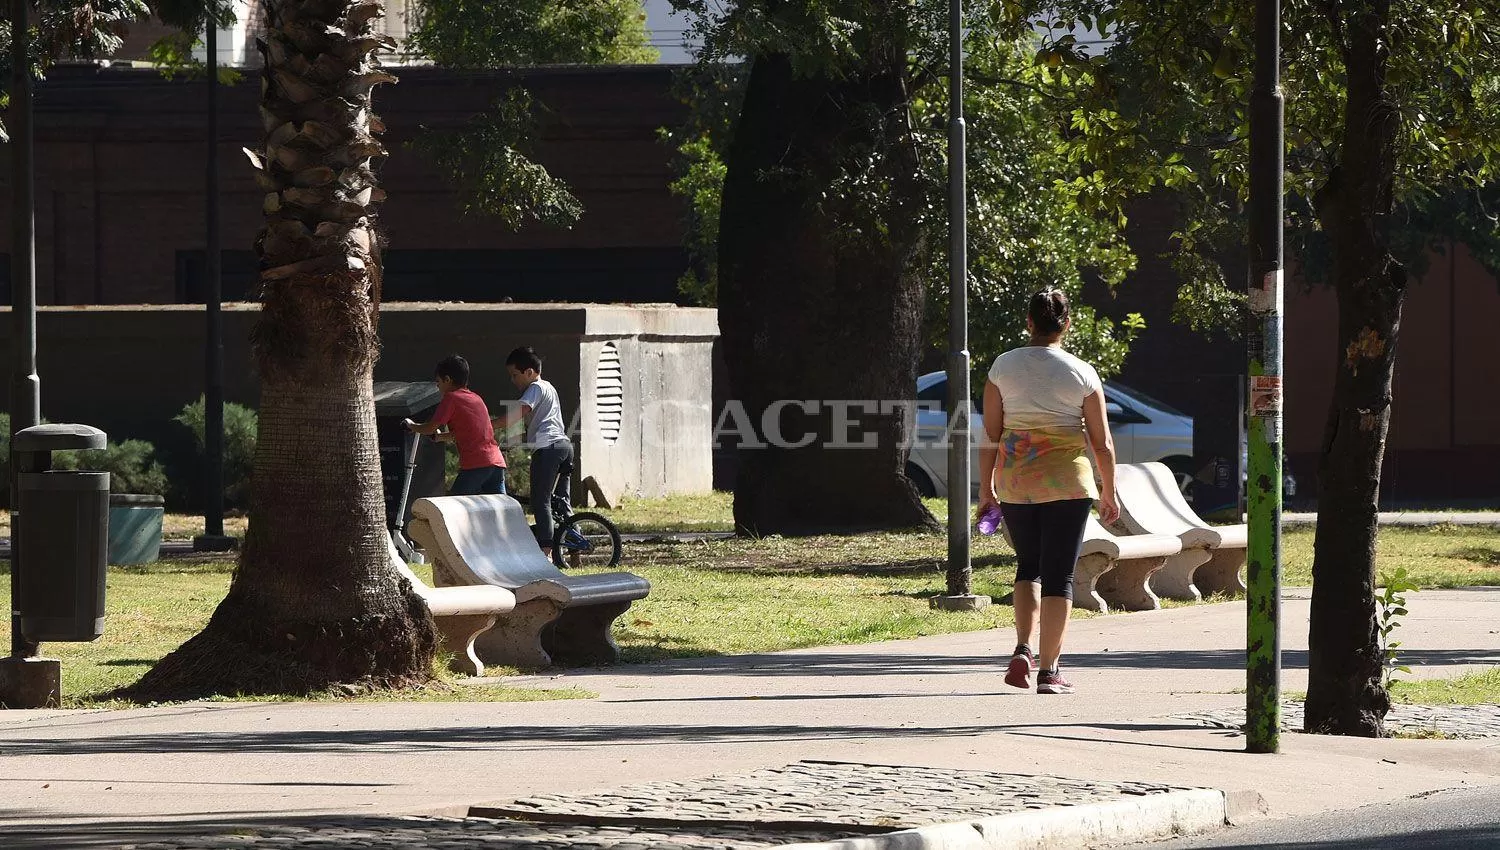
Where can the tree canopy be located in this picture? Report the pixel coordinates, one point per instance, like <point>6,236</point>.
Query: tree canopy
<point>1162,101</point>
<point>485,34</point>
<point>494,159</point>
<point>70,29</point>
<point>1028,227</point>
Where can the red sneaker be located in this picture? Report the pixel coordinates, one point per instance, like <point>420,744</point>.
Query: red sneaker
<point>1018,674</point>
<point>1052,682</point>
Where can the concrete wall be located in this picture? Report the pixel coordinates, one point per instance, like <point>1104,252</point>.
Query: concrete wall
<point>658,451</point>
<point>129,370</point>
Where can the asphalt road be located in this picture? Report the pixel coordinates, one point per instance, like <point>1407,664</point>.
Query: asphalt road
<point>1446,820</point>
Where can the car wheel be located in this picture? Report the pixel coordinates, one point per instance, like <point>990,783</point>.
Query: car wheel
<point>920,480</point>
<point>1182,470</point>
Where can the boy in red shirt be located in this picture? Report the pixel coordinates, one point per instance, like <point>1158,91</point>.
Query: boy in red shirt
<point>480,463</point>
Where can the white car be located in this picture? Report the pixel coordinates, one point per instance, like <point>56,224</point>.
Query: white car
<point>1144,430</point>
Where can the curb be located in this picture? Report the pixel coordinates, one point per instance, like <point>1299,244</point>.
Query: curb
<point>1116,822</point>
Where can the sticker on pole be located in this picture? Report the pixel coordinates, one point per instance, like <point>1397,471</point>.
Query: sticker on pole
<point>1266,298</point>
<point>1265,395</point>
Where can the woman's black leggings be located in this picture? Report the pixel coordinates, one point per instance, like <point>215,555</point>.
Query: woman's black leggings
<point>1047,537</point>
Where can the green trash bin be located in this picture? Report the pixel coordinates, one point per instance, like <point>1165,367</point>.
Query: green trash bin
<point>134,529</point>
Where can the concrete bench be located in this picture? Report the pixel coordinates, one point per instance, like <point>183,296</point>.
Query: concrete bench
<point>559,618</point>
<point>1117,571</point>
<point>461,614</point>
<point>1211,557</point>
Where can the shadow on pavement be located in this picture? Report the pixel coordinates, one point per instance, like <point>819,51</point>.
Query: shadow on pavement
<point>827,663</point>
<point>814,697</point>
<point>515,738</point>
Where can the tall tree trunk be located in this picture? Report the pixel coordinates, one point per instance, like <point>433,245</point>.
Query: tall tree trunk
<point>314,601</point>
<point>1346,693</point>
<point>818,298</point>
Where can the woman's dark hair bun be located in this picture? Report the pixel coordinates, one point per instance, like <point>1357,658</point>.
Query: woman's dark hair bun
<point>1048,311</point>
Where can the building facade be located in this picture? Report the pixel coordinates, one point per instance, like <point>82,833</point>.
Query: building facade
<point>120,189</point>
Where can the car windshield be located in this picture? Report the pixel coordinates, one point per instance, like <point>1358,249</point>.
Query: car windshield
<point>1140,398</point>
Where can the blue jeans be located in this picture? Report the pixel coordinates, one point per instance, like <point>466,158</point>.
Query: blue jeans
<point>484,481</point>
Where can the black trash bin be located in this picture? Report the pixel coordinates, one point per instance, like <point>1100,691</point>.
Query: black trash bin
<point>62,534</point>
<point>396,401</point>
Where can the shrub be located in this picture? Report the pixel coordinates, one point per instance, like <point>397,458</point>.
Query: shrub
<point>131,465</point>
<point>241,425</point>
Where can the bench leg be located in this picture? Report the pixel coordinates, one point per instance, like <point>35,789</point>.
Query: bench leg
<point>584,635</point>
<point>1222,572</point>
<point>1175,579</point>
<point>458,633</point>
<point>442,575</point>
<point>1128,585</point>
<point>516,639</point>
<point>1085,578</point>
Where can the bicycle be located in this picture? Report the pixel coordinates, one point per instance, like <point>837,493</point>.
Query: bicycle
<point>581,538</point>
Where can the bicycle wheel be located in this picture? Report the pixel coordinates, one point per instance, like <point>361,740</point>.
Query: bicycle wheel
<point>586,540</point>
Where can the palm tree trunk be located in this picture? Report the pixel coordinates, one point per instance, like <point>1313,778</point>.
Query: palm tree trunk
<point>1346,691</point>
<point>314,601</point>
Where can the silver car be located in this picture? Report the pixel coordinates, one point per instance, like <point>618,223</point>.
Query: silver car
<point>1144,430</point>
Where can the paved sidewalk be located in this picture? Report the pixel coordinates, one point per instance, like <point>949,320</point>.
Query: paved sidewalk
<point>932,703</point>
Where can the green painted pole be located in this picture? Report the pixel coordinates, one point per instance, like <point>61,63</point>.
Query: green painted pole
<point>1263,570</point>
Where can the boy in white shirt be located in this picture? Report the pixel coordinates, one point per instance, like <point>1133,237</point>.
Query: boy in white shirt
<point>546,436</point>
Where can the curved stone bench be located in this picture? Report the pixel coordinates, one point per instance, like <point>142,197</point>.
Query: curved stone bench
<point>558,618</point>
<point>1211,557</point>
<point>1116,571</point>
<point>460,614</point>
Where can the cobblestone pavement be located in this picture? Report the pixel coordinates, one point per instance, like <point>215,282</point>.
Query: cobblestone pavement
<point>831,793</point>
<point>1454,721</point>
<point>802,802</point>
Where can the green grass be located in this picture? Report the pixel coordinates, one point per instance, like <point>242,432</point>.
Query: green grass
<point>735,596</point>
<point>1472,689</point>
<point>708,598</point>
<point>1441,556</point>
<point>698,512</point>
<point>1437,557</point>
<point>151,610</point>
<point>716,597</point>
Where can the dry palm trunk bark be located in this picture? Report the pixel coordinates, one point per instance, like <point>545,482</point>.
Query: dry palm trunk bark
<point>314,601</point>
<point>816,307</point>
<point>1346,694</point>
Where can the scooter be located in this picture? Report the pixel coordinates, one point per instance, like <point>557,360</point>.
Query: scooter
<point>398,527</point>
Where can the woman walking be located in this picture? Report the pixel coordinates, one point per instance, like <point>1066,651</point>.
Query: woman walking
<point>1042,407</point>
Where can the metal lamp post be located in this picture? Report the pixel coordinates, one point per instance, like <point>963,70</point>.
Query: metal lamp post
<point>213,538</point>
<point>26,387</point>
<point>959,596</point>
<point>26,680</point>
<point>1263,569</point>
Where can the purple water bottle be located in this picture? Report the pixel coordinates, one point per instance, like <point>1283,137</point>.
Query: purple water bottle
<point>989,520</point>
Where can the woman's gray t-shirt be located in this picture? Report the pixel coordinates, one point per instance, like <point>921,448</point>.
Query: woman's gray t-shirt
<point>545,428</point>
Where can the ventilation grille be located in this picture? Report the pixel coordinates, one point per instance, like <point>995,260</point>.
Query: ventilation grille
<point>609,393</point>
